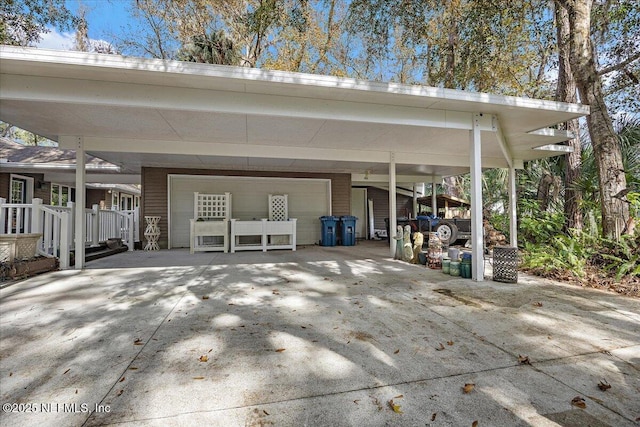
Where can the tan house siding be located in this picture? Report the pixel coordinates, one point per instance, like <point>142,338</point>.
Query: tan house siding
<point>4,185</point>
<point>41,189</point>
<point>380,197</point>
<point>95,196</point>
<point>155,202</point>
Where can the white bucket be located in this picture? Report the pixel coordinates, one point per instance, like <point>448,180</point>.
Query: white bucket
<point>454,254</point>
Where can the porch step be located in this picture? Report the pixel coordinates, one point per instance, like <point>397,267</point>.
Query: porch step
<point>103,250</point>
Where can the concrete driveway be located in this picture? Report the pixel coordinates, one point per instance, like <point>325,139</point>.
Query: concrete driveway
<point>341,336</point>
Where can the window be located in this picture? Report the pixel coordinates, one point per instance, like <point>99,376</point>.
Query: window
<point>62,194</point>
<point>21,189</point>
<point>126,202</point>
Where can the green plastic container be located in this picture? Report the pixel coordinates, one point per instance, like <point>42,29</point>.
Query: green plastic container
<point>465,269</point>
<point>446,263</point>
<point>454,268</point>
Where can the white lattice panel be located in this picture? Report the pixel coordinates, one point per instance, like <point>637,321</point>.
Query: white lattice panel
<point>278,207</point>
<point>212,206</point>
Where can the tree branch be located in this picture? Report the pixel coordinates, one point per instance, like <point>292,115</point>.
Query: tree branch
<point>619,66</point>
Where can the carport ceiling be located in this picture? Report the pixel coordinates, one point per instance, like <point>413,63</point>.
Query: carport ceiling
<point>143,112</point>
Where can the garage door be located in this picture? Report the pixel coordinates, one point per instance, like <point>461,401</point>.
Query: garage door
<point>308,200</point>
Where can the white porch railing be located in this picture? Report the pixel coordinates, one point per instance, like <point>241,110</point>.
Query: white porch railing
<point>56,224</point>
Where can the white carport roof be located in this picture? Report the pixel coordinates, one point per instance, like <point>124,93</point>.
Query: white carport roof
<point>144,112</point>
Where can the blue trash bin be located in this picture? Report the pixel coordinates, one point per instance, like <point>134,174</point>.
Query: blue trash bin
<point>348,230</point>
<point>329,232</point>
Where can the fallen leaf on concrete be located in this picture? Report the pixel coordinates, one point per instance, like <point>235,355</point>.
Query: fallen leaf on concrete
<point>449,342</point>
<point>356,401</point>
<point>468,387</point>
<point>433,416</point>
<point>119,392</point>
<point>400,396</point>
<point>523,360</point>
<point>608,353</point>
<point>205,296</point>
<point>397,351</point>
<point>210,350</point>
<point>137,341</point>
<point>280,350</point>
<point>198,378</point>
<point>76,391</point>
<point>377,403</point>
<point>474,424</point>
<point>579,402</point>
<point>537,304</point>
<point>204,358</point>
<point>66,371</point>
<point>604,385</point>
<point>121,379</point>
<point>265,412</point>
<point>440,348</point>
<point>275,292</point>
<point>396,408</point>
<point>303,327</point>
<point>10,374</point>
<point>133,368</point>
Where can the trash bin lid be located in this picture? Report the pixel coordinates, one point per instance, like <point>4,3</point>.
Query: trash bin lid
<point>348,218</point>
<point>328,218</point>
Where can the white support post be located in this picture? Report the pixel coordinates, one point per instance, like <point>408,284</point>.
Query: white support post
<point>130,225</point>
<point>36,220</point>
<point>95,225</point>
<point>513,216</point>
<point>80,225</point>
<point>477,241</point>
<point>36,215</point>
<point>392,203</point>
<point>415,199</point>
<point>3,217</point>
<point>65,240</point>
<point>434,199</point>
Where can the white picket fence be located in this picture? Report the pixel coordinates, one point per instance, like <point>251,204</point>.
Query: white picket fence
<point>56,224</point>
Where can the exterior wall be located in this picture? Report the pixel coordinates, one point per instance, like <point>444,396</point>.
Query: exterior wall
<point>41,188</point>
<point>155,203</point>
<point>95,196</point>
<point>5,179</point>
<point>381,206</point>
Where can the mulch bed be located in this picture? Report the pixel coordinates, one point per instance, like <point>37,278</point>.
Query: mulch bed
<point>594,278</point>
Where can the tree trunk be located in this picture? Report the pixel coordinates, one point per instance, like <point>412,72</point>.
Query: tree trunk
<point>452,43</point>
<point>566,92</point>
<point>606,148</point>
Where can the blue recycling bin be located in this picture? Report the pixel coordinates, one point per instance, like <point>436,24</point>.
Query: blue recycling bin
<point>348,230</point>
<point>329,231</point>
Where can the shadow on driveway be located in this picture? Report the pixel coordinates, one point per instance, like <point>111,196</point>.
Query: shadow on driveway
<point>320,336</point>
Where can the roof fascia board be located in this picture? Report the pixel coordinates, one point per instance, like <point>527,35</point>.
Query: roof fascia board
<point>85,92</point>
<point>120,66</point>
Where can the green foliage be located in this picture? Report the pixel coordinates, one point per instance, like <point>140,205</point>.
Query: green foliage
<point>621,257</point>
<point>23,21</point>
<point>562,252</point>
<point>536,226</point>
<point>215,48</point>
<point>578,252</point>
